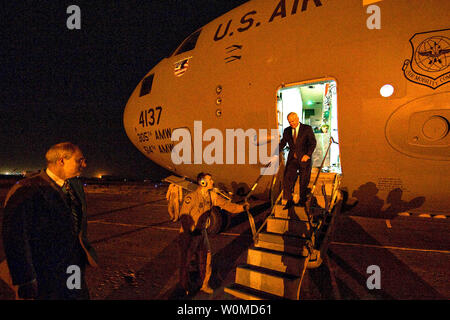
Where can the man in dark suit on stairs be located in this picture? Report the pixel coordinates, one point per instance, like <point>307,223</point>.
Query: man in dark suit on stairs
<point>302,142</point>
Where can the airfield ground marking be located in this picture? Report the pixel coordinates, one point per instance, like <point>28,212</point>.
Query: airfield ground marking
<point>388,247</point>
<point>334,286</point>
<point>154,227</point>
<point>237,234</point>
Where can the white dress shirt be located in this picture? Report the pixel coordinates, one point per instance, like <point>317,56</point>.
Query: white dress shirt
<point>54,177</point>
<point>295,132</point>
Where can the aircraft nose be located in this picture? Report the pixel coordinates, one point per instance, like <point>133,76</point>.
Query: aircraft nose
<point>147,119</point>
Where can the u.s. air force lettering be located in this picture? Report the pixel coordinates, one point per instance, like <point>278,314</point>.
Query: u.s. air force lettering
<point>429,64</point>
<point>249,20</point>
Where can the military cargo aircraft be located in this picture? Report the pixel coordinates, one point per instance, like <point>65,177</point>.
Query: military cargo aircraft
<point>372,75</point>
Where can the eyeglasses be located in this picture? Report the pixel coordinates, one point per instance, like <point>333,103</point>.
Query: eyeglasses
<point>81,161</point>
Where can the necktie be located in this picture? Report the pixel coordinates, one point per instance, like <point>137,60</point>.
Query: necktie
<point>75,204</point>
<point>294,137</point>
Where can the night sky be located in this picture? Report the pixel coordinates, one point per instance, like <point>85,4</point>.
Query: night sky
<point>73,85</point>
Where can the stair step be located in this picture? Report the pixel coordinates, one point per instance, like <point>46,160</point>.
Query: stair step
<point>289,226</point>
<point>274,282</point>
<point>247,293</point>
<point>282,238</point>
<point>297,213</point>
<point>276,260</point>
<point>283,243</point>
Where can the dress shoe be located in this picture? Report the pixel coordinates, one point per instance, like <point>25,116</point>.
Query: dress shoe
<point>289,205</point>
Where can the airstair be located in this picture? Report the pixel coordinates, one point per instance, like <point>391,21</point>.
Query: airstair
<point>289,242</point>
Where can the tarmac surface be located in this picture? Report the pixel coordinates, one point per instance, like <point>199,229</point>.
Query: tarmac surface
<point>137,247</point>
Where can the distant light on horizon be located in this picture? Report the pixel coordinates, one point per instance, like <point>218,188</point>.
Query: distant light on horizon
<point>100,175</point>
<point>14,172</point>
<point>9,173</point>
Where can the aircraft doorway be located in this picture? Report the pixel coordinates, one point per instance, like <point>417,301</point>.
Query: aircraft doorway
<point>316,105</point>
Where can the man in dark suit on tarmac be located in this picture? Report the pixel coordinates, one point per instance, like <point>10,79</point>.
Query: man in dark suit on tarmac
<point>302,142</point>
<point>45,229</point>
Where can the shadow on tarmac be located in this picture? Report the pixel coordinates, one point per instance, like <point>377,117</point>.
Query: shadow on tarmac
<point>399,281</point>
<point>224,260</point>
<point>96,215</point>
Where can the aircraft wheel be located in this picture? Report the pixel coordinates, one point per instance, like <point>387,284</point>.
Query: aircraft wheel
<point>215,222</point>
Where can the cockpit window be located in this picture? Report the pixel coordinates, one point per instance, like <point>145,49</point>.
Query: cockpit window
<point>146,86</point>
<point>189,43</point>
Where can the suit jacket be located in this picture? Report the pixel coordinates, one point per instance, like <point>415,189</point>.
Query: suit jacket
<point>39,234</point>
<point>304,144</point>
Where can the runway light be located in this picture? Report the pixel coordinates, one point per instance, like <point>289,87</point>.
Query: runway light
<point>387,90</point>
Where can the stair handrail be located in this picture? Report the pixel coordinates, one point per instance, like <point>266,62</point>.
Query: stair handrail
<point>310,196</point>
<point>272,209</point>
<point>250,217</point>
<point>321,165</point>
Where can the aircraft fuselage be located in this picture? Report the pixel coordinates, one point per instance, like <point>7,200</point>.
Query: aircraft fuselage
<point>393,150</point>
